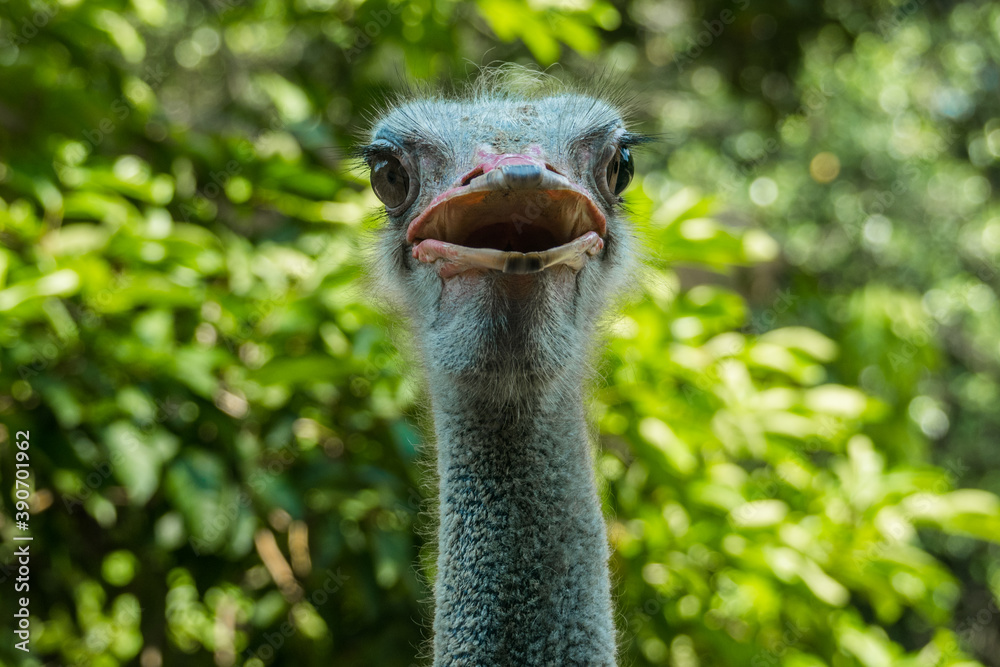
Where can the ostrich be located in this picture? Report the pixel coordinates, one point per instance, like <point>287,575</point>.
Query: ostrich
<point>503,239</point>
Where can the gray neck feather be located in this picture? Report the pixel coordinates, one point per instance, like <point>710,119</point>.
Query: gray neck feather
<point>522,567</point>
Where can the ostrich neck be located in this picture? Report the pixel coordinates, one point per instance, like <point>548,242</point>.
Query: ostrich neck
<point>522,568</point>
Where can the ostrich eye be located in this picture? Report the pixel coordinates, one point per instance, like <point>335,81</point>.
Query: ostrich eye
<point>620,171</point>
<point>390,181</point>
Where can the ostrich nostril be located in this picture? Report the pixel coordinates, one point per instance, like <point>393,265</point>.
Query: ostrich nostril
<point>522,176</point>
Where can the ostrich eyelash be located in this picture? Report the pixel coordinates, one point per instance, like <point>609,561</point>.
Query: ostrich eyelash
<point>631,139</point>
<point>625,139</point>
<point>381,147</point>
<point>370,151</point>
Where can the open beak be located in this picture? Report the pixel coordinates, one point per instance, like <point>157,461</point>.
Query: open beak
<point>517,215</point>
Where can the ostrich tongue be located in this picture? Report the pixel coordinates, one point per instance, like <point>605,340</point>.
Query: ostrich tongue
<point>452,259</point>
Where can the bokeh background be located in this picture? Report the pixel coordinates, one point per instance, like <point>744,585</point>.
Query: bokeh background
<point>799,413</point>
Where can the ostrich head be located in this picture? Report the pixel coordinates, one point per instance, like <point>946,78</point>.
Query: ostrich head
<point>504,233</point>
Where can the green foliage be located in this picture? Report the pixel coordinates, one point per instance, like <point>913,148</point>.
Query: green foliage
<point>797,412</point>
<point>756,522</point>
